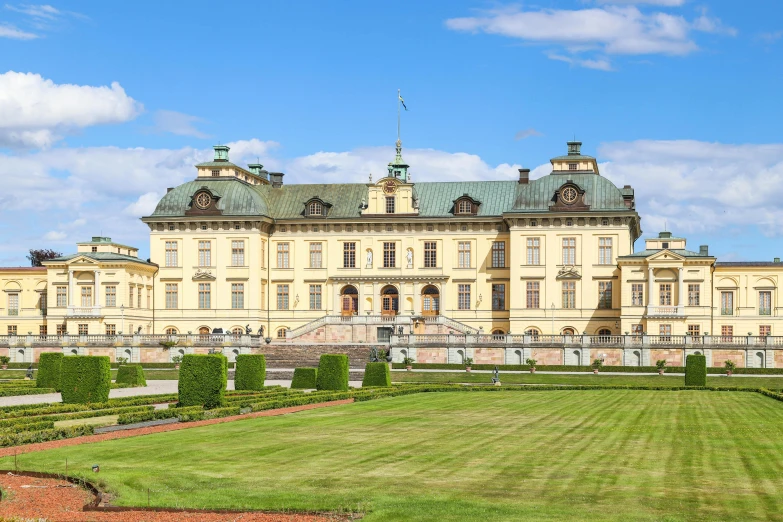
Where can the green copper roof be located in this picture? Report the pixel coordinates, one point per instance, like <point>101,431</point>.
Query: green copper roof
<point>288,201</point>
<point>237,198</point>
<point>575,157</point>
<point>650,252</point>
<point>219,164</point>
<point>100,256</point>
<point>437,198</point>
<point>600,193</point>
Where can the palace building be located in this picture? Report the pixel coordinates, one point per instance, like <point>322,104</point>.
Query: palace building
<point>237,248</point>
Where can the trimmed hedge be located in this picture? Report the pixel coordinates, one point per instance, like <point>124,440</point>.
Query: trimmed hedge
<point>695,370</point>
<point>30,437</point>
<point>26,390</point>
<point>714,370</point>
<point>304,378</point>
<point>376,374</point>
<point>85,379</point>
<point>332,372</point>
<point>131,375</point>
<point>202,380</point>
<point>49,368</point>
<point>250,372</point>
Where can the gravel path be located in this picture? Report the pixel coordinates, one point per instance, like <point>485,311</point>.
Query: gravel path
<point>41,446</point>
<point>34,499</point>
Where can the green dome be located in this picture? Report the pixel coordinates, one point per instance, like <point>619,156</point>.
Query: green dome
<point>236,199</point>
<point>600,193</point>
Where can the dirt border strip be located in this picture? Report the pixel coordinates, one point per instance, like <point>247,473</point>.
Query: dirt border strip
<point>86,439</point>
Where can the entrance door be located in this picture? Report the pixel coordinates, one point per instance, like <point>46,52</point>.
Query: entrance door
<point>390,301</point>
<point>430,301</point>
<point>349,299</point>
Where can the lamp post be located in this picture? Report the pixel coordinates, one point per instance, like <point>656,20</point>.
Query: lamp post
<point>553,318</point>
<point>122,311</point>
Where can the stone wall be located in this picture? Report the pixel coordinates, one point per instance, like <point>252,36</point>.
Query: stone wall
<point>719,357</point>
<point>489,356</point>
<point>544,356</point>
<point>672,356</point>
<point>431,355</point>
<point>610,356</point>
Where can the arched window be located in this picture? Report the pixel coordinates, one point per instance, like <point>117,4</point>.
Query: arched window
<point>281,332</point>
<point>171,331</point>
<point>569,331</point>
<point>464,207</point>
<point>604,332</point>
<point>533,332</point>
<point>237,331</point>
<point>430,300</point>
<point>498,334</point>
<point>315,209</point>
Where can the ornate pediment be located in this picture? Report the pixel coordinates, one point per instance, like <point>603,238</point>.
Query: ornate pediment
<point>568,272</point>
<point>203,275</point>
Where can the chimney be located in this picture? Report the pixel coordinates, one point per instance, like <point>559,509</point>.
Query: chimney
<point>258,170</point>
<point>524,176</point>
<point>277,179</point>
<point>169,189</point>
<point>704,250</point>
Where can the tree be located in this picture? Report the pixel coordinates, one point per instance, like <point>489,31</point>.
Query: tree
<point>37,257</point>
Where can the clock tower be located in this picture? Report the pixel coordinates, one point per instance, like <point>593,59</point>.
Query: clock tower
<point>398,168</point>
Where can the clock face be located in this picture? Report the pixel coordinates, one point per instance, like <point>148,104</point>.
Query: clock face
<point>389,187</point>
<point>569,195</point>
<point>203,200</point>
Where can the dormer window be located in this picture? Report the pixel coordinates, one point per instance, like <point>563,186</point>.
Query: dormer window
<point>465,207</point>
<point>315,209</point>
<point>665,245</point>
<point>573,166</point>
<point>215,173</point>
<point>390,204</point>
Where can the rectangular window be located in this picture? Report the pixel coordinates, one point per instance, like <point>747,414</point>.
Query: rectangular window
<point>463,297</point>
<point>727,303</point>
<point>172,296</point>
<point>390,204</point>
<point>765,329</point>
<point>12,329</point>
<point>727,332</point>
<point>637,294</point>
<point>694,295</point>
<point>171,253</point>
<point>149,292</point>
<point>389,255</point>
<point>569,294</point>
<point>665,294</point>
<point>263,254</point>
<point>498,296</point>
<point>205,253</point>
<point>237,252</point>
<point>60,329</point>
<point>86,296</point>
<point>111,296</point>
<point>237,296</point>
<point>282,255</point>
<point>765,303</point>
<point>83,329</point>
<point>665,331</point>
<point>205,295</point>
<point>42,330</point>
<point>349,255</point>
<point>43,303</point>
<point>430,254</point>
<point>637,330</point>
<point>604,250</point>
<point>569,250</point>
<point>463,254</point>
<point>533,294</point>
<point>138,299</point>
<point>604,294</point>
<point>533,251</point>
<point>111,329</point>
<point>282,297</point>
<point>315,297</point>
<point>694,330</point>
<point>573,166</point>
<point>130,293</point>
<point>13,304</point>
<point>62,296</point>
<point>498,254</point>
<point>216,173</point>
<point>315,255</point>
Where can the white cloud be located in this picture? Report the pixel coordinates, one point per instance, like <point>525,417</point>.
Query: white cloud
<point>55,235</point>
<point>178,123</point>
<point>36,11</point>
<point>607,30</point>
<point>37,112</point>
<point>144,205</point>
<point>698,186</point>
<point>665,3</point>
<point>10,31</point>
<point>771,37</point>
<point>526,133</point>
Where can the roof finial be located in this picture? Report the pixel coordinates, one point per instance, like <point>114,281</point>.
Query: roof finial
<point>370,178</point>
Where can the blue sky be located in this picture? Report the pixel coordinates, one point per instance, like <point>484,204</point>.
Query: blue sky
<point>105,104</point>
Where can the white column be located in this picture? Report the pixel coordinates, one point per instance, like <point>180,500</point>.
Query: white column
<point>376,300</point>
<point>71,288</point>
<point>650,285</point>
<point>681,289</point>
<point>97,292</point>
<point>416,299</point>
<point>336,306</point>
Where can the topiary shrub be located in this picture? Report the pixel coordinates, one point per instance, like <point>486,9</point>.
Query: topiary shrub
<point>49,369</point>
<point>202,380</point>
<point>304,378</point>
<point>376,374</point>
<point>696,370</point>
<point>332,372</point>
<point>131,374</point>
<point>250,372</point>
<point>85,379</point>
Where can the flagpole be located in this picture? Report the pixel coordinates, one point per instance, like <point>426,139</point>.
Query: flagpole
<point>398,115</point>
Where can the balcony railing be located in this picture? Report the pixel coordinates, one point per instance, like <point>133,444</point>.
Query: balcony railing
<point>651,341</point>
<point>665,311</point>
<point>84,311</point>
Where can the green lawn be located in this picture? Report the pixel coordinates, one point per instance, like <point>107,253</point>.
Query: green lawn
<point>158,375</point>
<point>540,455</point>
<point>606,379</point>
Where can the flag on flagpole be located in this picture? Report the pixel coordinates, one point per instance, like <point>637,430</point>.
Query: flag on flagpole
<point>402,102</point>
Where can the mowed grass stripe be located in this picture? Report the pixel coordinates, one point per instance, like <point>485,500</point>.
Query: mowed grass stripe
<point>565,455</point>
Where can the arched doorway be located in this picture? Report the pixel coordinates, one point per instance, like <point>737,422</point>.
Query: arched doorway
<point>430,300</point>
<point>518,356</point>
<point>390,300</point>
<point>498,334</point>
<point>760,360</point>
<point>204,330</point>
<point>349,300</point>
<point>533,333</point>
<point>576,356</point>
<point>636,358</point>
<point>569,331</point>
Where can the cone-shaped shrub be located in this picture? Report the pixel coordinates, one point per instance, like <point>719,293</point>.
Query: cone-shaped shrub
<point>131,374</point>
<point>202,380</point>
<point>250,372</point>
<point>332,372</point>
<point>376,374</point>
<point>49,369</point>
<point>696,370</point>
<point>304,378</point>
<point>85,379</point>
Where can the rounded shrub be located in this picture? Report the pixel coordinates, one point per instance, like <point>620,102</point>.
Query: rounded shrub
<point>49,369</point>
<point>250,372</point>
<point>85,379</point>
<point>304,378</point>
<point>131,374</point>
<point>695,370</point>
<point>202,380</point>
<point>332,372</point>
<point>376,374</point>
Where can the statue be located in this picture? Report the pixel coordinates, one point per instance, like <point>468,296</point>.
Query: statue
<point>369,258</point>
<point>260,331</point>
<point>138,330</point>
<point>374,355</point>
<point>496,376</point>
<point>248,330</point>
<point>409,256</point>
<point>29,374</point>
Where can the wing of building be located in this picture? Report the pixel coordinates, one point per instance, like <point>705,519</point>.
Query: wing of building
<point>237,248</point>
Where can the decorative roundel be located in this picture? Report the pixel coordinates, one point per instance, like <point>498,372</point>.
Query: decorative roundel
<point>569,195</point>
<point>203,199</point>
<point>389,187</point>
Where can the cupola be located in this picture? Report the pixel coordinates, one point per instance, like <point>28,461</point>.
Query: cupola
<point>221,152</point>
